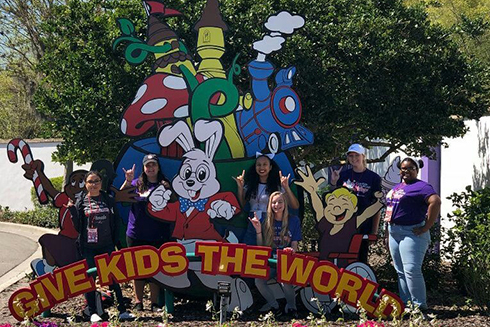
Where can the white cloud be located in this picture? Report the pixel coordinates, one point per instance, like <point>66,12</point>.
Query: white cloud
<point>269,44</point>
<point>284,22</point>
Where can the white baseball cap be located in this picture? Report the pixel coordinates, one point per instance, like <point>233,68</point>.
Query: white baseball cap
<point>357,148</point>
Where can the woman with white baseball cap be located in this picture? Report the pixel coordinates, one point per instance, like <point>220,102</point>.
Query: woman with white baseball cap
<point>363,183</point>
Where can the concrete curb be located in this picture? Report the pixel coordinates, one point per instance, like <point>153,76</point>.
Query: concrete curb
<point>31,232</point>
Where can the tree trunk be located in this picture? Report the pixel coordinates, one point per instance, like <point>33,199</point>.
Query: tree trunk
<point>68,170</point>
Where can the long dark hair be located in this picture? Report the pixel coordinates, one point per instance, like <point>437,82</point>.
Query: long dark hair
<point>252,179</point>
<point>143,184</point>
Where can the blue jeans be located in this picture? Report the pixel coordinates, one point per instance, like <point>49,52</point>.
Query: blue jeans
<point>408,252</point>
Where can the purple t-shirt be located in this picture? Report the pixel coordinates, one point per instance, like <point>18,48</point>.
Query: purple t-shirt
<point>407,203</point>
<point>140,225</point>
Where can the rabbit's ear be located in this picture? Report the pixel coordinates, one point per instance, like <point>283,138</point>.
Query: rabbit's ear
<point>211,132</point>
<point>179,132</point>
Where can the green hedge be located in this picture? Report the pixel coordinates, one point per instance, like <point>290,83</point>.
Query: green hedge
<point>43,216</point>
<point>468,244</point>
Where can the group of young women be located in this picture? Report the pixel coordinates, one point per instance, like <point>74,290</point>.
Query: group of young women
<point>263,192</point>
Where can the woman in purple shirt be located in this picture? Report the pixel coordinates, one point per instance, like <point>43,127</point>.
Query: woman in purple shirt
<point>412,209</point>
<point>142,229</point>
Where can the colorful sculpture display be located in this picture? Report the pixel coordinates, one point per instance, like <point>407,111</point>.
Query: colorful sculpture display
<point>205,131</point>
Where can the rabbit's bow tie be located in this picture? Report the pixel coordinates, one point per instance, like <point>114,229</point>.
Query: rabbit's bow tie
<point>185,204</point>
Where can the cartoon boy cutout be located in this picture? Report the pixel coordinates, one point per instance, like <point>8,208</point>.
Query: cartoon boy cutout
<point>337,219</point>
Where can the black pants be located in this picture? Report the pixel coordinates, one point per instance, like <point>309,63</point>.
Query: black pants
<point>89,255</point>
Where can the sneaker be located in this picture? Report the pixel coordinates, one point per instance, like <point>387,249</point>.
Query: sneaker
<point>95,318</point>
<point>41,267</point>
<point>138,306</point>
<point>156,308</point>
<point>293,313</point>
<point>265,308</point>
<point>126,316</point>
<point>275,310</point>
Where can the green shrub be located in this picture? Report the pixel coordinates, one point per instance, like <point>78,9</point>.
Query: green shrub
<point>57,184</point>
<point>468,244</point>
<point>45,216</point>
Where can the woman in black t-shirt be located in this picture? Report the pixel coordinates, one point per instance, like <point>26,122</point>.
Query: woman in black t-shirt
<point>93,218</point>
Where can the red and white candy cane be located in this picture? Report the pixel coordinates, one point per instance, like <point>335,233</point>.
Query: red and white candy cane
<point>27,156</point>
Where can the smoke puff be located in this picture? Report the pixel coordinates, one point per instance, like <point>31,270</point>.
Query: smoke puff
<point>268,44</point>
<point>284,22</point>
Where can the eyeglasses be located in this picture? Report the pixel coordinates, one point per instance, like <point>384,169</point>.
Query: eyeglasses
<point>97,181</point>
<point>408,169</point>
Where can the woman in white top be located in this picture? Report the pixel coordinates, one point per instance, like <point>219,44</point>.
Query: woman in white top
<point>257,184</point>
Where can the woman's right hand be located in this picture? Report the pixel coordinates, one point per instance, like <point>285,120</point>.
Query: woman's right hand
<point>334,175</point>
<point>240,180</point>
<point>129,174</point>
<point>256,223</point>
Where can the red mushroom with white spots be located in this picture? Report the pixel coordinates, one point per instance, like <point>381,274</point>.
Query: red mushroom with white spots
<point>161,99</point>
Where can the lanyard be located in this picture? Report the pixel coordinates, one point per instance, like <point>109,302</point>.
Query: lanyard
<point>91,212</point>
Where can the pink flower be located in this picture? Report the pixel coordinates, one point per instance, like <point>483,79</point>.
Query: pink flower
<point>371,323</point>
<point>102,324</point>
<point>297,324</point>
<point>5,325</point>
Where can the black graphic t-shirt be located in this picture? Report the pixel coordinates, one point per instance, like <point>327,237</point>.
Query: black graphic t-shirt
<point>95,215</point>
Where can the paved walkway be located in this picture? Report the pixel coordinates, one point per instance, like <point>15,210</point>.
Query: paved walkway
<point>18,247</point>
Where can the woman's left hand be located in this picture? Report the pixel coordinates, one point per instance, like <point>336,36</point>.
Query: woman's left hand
<point>284,180</point>
<point>419,230</point>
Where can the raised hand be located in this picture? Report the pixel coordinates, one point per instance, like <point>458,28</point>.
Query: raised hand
<point>159,198</point>
<point>308,182</point>
<point>284,180</point>
<point>334,175</point>
<point>221,209</point>
<point>31,168</point>
<point>129,174</point>
<point>240,180</point>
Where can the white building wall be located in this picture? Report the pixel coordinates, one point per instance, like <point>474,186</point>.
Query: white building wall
<point>15,191</point>
<point>465,162</point>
